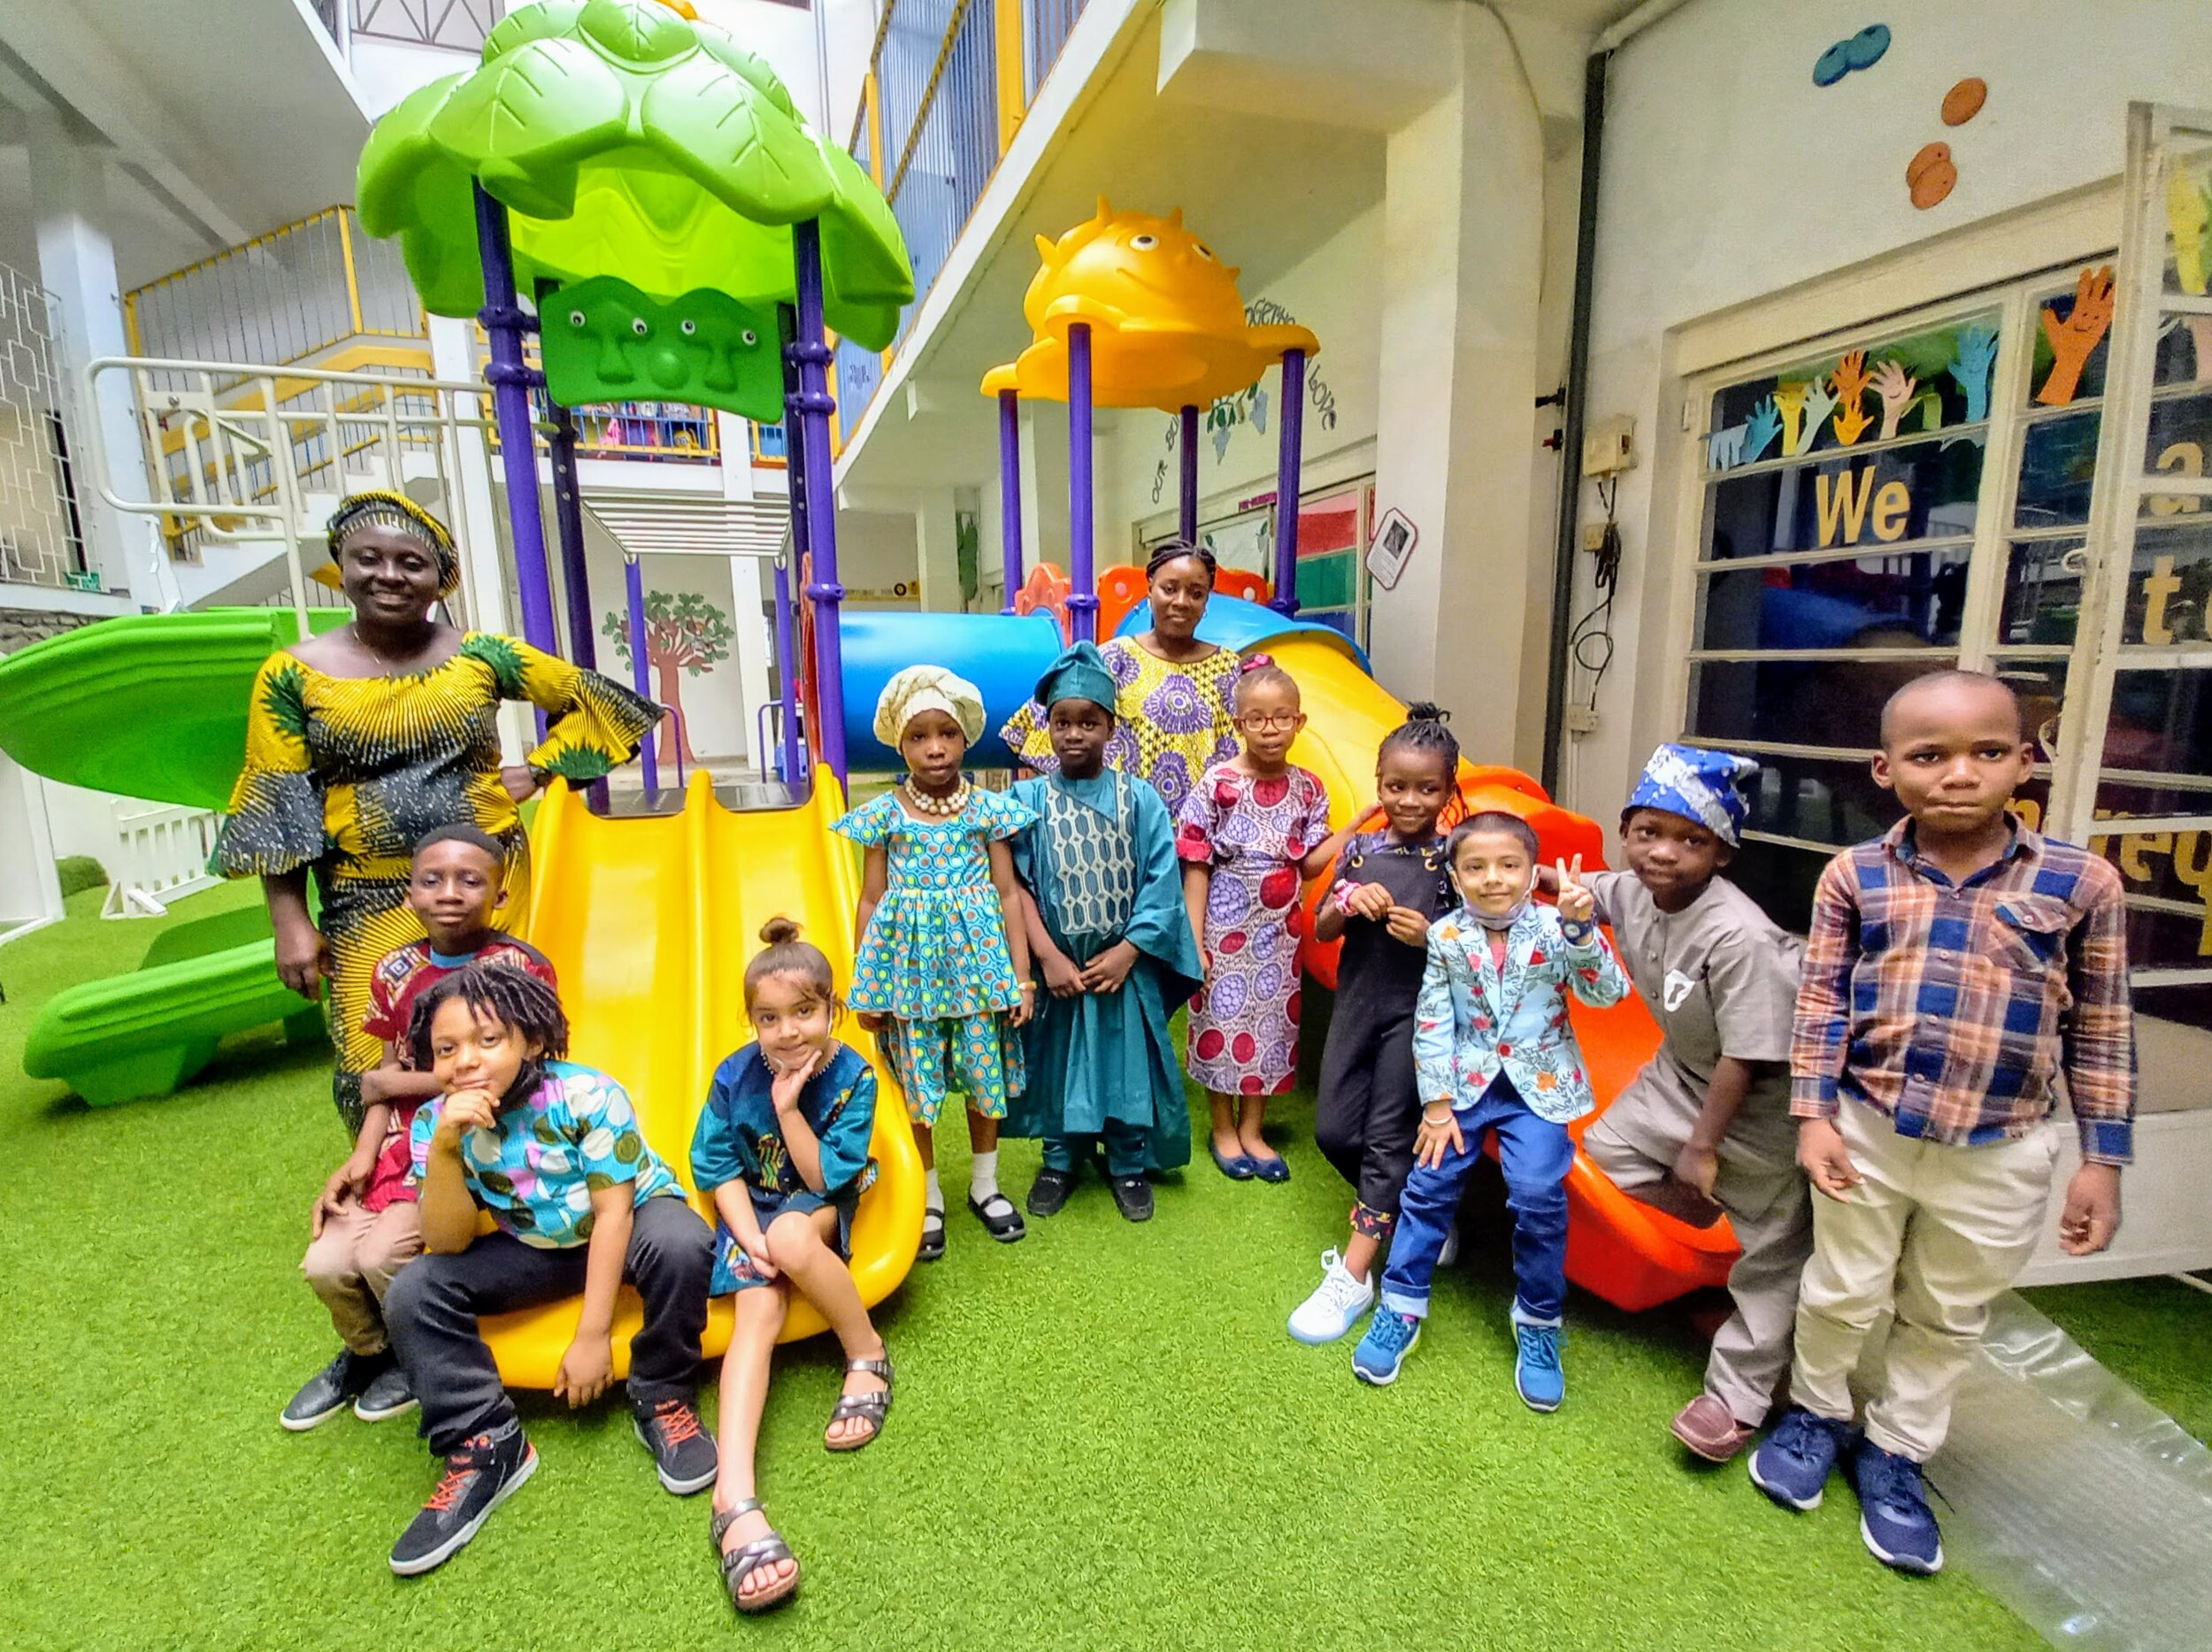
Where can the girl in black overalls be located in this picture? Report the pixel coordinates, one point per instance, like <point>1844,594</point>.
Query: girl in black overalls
<point>1390,886</point>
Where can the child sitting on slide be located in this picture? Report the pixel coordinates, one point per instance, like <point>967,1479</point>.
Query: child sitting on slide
<point>579,1202</point>
<point>365,1224</point>
<point>782,1150</point>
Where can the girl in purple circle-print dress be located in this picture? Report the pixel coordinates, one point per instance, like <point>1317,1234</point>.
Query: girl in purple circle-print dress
<point>1255,828</point>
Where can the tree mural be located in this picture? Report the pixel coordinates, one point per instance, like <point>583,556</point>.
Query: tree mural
<point>683,632</point>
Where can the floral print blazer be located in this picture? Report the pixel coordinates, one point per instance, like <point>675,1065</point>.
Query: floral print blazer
<point>1473,1018</point>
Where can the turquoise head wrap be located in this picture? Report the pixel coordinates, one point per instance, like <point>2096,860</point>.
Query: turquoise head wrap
<point>1081,673</point>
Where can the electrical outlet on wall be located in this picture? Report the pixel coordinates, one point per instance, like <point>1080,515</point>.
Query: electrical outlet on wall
<point>1609,447</point>
<point>1582,719</point>
<point>1593,537</point>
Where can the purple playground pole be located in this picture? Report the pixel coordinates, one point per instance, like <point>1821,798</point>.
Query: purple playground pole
<point>787,675</point>
<point>813,405</point>
<point>1009,490</point>
<point>511,381</point>
<point>1292,420</point>
<point>1187,455</point>
<point>568,520</point>
<point>634,588</point>
<point>1083,599</point>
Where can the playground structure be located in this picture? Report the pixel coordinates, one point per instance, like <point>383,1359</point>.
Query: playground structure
<point>621,219</point>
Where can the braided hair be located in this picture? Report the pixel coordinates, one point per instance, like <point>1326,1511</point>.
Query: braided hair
<point>1174,550</point>
<point>1259,671</point>
<point>786,954</point>
<point>1427,732</point>
<point>513,998</point>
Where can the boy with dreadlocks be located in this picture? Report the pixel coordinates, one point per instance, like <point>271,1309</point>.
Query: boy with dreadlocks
<point>1390,886</point>
<point>579,1202</point>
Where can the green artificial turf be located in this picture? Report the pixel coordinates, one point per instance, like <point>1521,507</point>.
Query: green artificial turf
<point>1103,1436</point>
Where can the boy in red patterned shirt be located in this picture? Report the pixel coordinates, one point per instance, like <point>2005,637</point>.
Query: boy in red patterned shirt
<point>1957,968</point>
<point>366,1227</point>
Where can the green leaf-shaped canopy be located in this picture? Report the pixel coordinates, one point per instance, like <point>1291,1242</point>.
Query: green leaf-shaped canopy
<point>627,139</point>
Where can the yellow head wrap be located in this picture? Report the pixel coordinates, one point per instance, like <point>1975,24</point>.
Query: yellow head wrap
<point>920,689</point>
<point>382,507</point>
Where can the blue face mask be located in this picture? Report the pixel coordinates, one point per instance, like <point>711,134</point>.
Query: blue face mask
<point>1503,920</point>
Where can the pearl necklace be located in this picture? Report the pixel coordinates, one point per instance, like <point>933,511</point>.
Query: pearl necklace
<point>945,807</point>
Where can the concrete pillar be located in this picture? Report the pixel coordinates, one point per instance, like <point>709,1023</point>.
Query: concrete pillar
<point>1460,270</point>
<point>750,584</point>
<point>76,263</point>
<point>936,534</point>
<point>990,561</point>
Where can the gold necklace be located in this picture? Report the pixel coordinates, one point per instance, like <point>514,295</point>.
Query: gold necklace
<point>389,664</point>
<point>951,803</point>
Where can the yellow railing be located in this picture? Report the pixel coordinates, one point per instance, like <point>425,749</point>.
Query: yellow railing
<point>279,298</point>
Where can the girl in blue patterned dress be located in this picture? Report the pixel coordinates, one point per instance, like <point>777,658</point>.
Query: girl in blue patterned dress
<point>782,1150</point>
<point>941,969</point>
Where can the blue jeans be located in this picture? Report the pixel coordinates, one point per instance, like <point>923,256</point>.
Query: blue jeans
<point>1537,1156</point>
<point>1125,1149</point>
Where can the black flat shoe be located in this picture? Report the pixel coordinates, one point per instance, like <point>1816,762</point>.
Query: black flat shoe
<point>1050,1192</point>
<point>1000,1220</point>
<point>933,1236</point>
<point>1132,1197</point>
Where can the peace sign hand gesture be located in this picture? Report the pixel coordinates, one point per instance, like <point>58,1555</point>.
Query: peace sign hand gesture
<point>1576,904</point>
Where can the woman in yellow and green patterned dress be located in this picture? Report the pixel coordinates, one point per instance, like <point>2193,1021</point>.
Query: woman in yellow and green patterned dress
<point>1172,716</point>
<point>361,740</point>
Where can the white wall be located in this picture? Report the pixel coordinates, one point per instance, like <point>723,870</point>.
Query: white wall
<point>1728,176</point>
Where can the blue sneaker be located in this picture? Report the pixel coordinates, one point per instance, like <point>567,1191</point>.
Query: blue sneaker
<point>1390,1338</point>
<point>1793,1464</point>
<point>1537,1376</point>
<point>1895,1520</point>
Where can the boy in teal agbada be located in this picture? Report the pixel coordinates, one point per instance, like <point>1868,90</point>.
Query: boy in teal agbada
<point>1102,902</point>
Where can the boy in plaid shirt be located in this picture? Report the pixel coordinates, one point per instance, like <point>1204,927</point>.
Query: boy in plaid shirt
<point>1957,968</point>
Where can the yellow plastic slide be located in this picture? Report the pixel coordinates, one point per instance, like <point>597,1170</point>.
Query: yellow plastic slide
<point>649,922</point>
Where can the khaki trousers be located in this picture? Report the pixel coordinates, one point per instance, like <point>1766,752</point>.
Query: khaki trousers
<point>1937,1231</point>
<point>351,1265</point>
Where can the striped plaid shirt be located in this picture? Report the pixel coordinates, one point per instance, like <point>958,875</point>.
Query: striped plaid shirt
<point>1953,1007</point>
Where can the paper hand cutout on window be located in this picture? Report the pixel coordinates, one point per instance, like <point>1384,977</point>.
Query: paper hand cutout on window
<point>2073,340</point>
<point>1977,352</point>
<point>1895,387</point>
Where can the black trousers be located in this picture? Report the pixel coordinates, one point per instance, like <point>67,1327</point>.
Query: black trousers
<point>1369,1107</point>
<point>433,1304</point>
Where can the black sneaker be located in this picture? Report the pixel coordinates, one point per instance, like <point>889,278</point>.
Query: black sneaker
<point>1132,1197</point>
<point>1050,1192</point>
<point>334,1387</point>
<point>478,1476</point>
<point>389,1395</point>
<point>685,1458</point>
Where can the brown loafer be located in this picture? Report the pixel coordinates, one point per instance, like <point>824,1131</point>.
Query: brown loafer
<point>1707,1428</point>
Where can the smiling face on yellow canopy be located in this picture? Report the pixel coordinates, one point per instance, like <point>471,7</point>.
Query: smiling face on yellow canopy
<point>1141,266</point>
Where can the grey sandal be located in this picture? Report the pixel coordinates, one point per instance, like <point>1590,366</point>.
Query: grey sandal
<point>750,1557</point>
<point>872,1408</point>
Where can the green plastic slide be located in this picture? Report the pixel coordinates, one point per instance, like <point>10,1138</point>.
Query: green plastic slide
<point>154,705</point>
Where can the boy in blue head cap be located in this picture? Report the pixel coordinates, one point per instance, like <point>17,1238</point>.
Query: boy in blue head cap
<point>1102,901</point>
<point>1707,1121</point>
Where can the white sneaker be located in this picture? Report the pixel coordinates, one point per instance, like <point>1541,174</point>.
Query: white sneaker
<point>1449,1254</point>
<point>1335,1307</point>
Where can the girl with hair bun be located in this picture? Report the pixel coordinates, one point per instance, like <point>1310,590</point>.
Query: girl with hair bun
<point>782,1150</point>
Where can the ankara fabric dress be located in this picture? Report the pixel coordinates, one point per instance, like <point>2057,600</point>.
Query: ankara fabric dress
<point>342,775</point>
<point>1171,719</point>
<point>1101,862</point>
<point>1252,831</point>
<point>935,957</point>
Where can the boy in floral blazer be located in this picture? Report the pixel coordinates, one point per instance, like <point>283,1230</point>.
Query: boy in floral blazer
<point>1492,1051</point>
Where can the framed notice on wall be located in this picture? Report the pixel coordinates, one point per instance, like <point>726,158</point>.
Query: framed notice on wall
<point>1391,547</point>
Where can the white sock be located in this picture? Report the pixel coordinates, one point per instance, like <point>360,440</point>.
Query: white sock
<point>983,1177</point>
<point>933,1195</point>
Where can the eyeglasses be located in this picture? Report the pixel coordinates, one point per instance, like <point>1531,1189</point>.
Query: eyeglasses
<point>1269,722</point>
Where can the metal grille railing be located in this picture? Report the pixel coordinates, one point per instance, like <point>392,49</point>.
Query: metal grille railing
<point>42,538</point>
<point>280,298</point>
<point>454,25</point>
<point>948,83</point>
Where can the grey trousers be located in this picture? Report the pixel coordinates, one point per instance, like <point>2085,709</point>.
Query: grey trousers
<point>1635,1142</point>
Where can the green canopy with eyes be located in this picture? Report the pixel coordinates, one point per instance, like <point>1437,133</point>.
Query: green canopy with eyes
<point>628,140</point>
